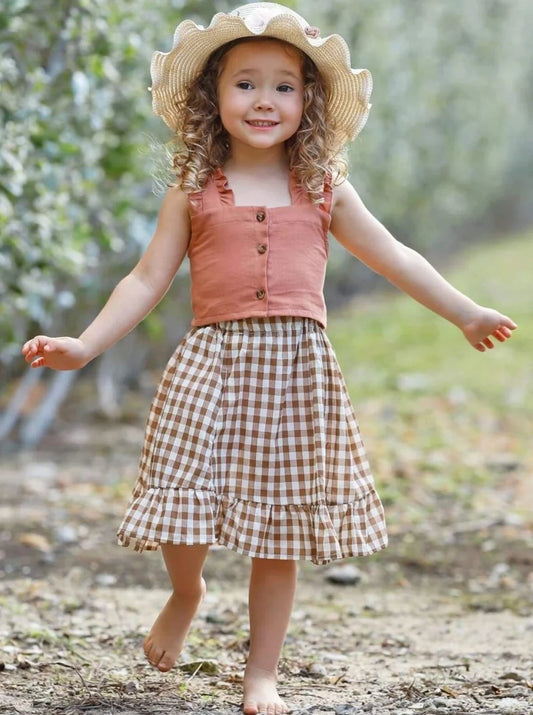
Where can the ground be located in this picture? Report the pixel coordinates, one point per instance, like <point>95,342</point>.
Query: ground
<point>440,622</point>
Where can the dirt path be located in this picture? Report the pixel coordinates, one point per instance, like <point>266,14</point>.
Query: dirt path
<point>74,647</point>
<point>442,622</point>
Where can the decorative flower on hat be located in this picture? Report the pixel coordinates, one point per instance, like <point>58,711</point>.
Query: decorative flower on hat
<point>258,19</point>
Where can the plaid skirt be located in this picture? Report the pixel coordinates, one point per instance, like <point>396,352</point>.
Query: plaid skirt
<point>252,443</point>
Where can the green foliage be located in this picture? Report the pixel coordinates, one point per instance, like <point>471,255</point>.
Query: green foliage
<point>74,187</point>
<point>447,137</point>
<point>451,105</point>
<point>448,131</point>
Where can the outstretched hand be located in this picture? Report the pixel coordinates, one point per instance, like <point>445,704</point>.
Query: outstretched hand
<point>486,325</point>
<point>55,353</point>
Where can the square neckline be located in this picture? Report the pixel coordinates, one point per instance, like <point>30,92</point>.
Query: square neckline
<point>228,196</point>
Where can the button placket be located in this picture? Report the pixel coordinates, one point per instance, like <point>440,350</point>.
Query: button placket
<point>262,247</point>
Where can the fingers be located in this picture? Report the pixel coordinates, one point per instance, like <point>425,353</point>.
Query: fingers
<point>36,349</point>
<point>33,347</point>
<point>30,346</point>
<point>502,333</point>
<point>508,323</point>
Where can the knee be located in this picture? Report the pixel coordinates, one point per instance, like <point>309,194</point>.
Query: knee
<point>274,566</point>
<point>189,589</point>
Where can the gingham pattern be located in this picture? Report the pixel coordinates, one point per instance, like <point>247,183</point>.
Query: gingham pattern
<point>252,442</point>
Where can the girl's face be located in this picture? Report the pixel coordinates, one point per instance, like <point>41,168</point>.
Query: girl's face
<point>260,94</point>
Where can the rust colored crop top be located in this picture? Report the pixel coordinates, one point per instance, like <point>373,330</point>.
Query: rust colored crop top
<point>253,261</point>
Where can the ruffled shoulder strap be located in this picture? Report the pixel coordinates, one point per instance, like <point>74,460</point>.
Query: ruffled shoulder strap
<point>327,193</point>
<point>196,202</point>
<point>221,191</point>
<point>301,196</point>
<point>215,193</point>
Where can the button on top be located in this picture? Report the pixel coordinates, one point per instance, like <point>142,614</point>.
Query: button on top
<point>261,248</point>
<point>260,216</point>
<point>260,294</point>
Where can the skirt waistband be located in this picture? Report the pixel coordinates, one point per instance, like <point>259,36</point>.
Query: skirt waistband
<point>273,324</point>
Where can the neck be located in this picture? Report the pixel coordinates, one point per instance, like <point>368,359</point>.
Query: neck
<point>258,161</point>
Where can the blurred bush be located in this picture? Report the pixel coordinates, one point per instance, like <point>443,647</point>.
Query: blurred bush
<point>74,197</point>
<point>447,152</point>
<point>447,138</point>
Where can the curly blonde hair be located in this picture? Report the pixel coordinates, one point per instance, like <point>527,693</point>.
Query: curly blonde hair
<point>202,143</point>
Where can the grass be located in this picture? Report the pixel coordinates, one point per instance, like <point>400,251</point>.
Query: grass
<point>446,427</point>
<point>380,338</point>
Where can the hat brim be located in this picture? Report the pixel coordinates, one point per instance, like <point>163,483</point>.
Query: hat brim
<point>172,72</point>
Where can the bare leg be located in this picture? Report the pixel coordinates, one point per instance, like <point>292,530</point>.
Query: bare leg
<point>272,589</point>
<point>163,644</point>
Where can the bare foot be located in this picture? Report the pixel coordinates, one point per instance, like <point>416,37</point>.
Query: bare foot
<point>261,693</point>
<point>163,644</point>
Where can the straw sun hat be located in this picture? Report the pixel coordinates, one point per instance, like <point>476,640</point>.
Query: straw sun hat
<point>348,89</point>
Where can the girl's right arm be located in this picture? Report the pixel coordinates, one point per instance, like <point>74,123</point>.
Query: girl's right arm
<point>131,300</point>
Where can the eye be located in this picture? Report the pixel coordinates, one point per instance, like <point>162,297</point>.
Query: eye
<point>244,84</point>
<point>285,88</point>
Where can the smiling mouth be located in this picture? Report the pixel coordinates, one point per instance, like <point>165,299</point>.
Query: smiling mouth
<point>259,123</point>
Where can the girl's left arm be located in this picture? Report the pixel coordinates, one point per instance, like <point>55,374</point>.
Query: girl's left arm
<point>365,237</point>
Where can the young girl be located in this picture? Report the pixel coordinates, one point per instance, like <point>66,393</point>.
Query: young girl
<point>251,440</point>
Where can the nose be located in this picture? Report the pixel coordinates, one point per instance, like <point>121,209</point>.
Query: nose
<point>263,102</point>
